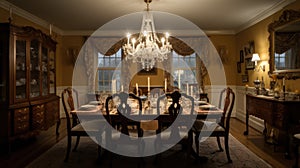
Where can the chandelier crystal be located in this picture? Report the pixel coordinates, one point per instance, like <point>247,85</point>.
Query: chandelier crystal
<point>147,49</point>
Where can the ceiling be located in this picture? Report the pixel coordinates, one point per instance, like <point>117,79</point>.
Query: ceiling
<point>82,16</point>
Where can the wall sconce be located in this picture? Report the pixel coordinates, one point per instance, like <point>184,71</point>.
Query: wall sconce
<point>255,58</point>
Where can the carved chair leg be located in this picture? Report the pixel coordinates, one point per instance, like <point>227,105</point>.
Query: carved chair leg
<point>227,149</point>
<point>57,127</point>
<point>68,148</point>
<point>76,144</point>
<point>296,152</point>
<point>219,144</point>
<point>197,142</point>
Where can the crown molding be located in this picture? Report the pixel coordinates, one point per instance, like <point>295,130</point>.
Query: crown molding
<point>263,15</point>
<point>26,15</point>
<point>22,13</point>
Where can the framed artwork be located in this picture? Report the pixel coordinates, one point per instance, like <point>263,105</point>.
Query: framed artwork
<point>241,56</point>
<point>238,66</point>
<point>249,48</point>
<point>249,64</point>
<point>244,78</point>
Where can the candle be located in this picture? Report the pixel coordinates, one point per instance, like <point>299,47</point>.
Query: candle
<point>149,84</point>
<point>128,37</point>
<point>283,81</point>
<point>137,89</point>
<point>122,88</point>
<point>179,85</point>
<point>165,84</point>
<point>50,29</point>
<point>192,92</point>
<point>113,85</point>
<point>187,88</point>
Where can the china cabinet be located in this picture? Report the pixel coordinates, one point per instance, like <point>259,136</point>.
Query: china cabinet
<point>28,102</point>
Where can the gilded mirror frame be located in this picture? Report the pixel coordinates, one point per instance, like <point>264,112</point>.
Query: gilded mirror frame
<point>288,17</point>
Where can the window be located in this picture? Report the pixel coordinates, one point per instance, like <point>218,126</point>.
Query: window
<point>184,70</point>
<point>107,67</point>
<point>283,60</point>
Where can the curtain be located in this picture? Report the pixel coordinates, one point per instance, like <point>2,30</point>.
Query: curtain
<point>110,45</point>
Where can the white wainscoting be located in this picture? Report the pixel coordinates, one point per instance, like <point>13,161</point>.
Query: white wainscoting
<point>239,110</point>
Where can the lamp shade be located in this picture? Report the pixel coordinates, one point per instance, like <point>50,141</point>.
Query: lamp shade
<point>255,57</point>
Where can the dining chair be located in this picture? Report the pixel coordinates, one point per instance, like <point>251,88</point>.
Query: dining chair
<point>204,97</point>
<point>296,141</point>
<point>171,132</point>
<point>77,129</point>
<point>121,133</point>
<point>219,128</point>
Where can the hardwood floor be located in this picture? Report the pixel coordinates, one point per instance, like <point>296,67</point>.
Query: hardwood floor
<point>28,151</point>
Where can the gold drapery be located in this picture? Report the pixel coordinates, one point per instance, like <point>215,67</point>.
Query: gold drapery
<point>183,46</point>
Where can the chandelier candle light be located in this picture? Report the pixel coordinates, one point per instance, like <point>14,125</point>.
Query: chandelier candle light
<point>149,49</point>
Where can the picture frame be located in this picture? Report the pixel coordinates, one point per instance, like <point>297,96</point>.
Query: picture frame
<point>249,65</point>
<point>238,66</point>
<point>241,56</point>
<point>249,48</point>
<point>244,78</point>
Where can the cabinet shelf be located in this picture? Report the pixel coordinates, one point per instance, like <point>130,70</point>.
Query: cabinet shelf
<point>30,101</point>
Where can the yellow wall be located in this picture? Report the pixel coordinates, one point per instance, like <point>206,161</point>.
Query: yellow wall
<point>229,58</point>
<point>259,34</point>
<point>231,44</point>
<point>65,61</point>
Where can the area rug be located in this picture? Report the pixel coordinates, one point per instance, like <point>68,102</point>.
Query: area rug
<point>86,156</point>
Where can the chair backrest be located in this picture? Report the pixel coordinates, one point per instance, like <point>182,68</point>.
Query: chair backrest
<point>139,92</point>
<point>67,97</point>
<point>227,102</point>
<point>174,110</point>
<point>69,100</point>
<point>123,109</point>
<point>203,96</point>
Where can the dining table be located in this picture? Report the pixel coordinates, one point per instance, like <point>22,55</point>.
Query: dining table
<point>202,111</point>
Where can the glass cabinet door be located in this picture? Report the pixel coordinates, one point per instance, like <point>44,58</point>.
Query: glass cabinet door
<point>45,90</point>
<point>21,66</point>
<point>52,71</point>
<point>34,69</point>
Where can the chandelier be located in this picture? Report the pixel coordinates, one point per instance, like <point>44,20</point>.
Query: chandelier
<point>147,49</point>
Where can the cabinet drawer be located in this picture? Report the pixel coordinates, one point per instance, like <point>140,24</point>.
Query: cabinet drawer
<point>279,116</point>
<point>38,117</point>
<point>21,120</point>
<point>51,113</point>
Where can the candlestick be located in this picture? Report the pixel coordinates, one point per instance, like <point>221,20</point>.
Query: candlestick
<point>50,29</point>
<point>137,89</point>
<point>187,89</point>
<point>114,87</point>
<point>165,84</point>
<point>148,84</point>
<point>179,85</point>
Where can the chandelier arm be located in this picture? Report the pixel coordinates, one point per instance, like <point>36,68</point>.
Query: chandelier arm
<point>148,48</point>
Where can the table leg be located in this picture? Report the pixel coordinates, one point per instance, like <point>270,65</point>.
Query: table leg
<point>191,151</point>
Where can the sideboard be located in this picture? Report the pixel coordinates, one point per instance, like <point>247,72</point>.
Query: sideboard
<point>282,115</point>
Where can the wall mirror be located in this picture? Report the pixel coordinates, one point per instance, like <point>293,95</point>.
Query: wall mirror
<point>284,42</point>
